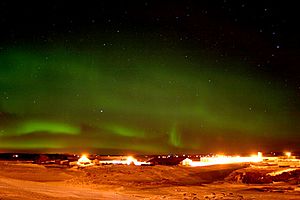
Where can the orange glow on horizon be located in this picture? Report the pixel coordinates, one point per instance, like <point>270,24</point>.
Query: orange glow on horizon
<point>221,159</point>
<point>129,160</point>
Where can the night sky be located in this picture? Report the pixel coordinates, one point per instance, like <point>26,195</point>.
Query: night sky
<point>150,76</point>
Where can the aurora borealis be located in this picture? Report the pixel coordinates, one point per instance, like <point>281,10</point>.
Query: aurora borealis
<point>109,82</point>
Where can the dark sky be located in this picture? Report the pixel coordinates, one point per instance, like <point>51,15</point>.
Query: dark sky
<point>150,76</point>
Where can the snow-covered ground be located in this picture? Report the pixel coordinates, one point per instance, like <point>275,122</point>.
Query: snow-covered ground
<point>28,181</point>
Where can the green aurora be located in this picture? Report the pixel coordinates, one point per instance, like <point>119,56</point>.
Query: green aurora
<point>143,99</point>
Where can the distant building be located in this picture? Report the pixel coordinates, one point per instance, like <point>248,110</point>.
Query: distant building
<point>166,160</point>
<point>83,161</point>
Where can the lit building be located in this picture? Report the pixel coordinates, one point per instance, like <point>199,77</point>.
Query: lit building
<point>83,161</point>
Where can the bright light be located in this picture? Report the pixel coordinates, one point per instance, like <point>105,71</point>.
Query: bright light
<point>83,161</point>
<point>281,171</point>
<point>288,154</point>
<point>187,162</point>
<point>259,154</point>
<point>129,160</point>
<point>221,159</point>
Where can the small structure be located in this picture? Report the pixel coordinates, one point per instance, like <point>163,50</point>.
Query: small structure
<point>164,160</point>
<point>186,162</point>
<point>83,161</point>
